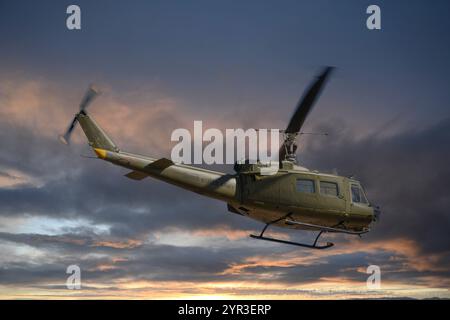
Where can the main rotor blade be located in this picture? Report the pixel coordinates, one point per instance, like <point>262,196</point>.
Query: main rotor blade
<point>302,110</point>
<point>89,96</point>
<point>306,103</point>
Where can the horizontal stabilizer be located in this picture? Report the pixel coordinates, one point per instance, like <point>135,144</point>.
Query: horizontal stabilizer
<point>160,164</point>
<point>136,175</point>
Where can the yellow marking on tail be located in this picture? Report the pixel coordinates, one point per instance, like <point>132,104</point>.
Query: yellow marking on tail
<point>101,153</point>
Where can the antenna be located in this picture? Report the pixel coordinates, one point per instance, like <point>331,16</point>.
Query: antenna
<point>316,133</point>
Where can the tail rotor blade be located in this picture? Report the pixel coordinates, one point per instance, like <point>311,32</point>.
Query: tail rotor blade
<point>89,96</point>
<point>65,138</point>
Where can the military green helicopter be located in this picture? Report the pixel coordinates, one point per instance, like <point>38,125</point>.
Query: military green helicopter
<point>294,197</point>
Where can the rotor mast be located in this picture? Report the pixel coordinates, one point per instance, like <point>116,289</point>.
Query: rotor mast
<point>288,149</point>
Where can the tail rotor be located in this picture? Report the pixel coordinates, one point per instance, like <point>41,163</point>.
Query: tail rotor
<point>89,96</point>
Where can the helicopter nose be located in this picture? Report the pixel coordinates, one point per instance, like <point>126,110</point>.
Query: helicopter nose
<point>376,213</point>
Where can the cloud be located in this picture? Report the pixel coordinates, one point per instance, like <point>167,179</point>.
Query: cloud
<point>150,238</point>
<point>406,174</point>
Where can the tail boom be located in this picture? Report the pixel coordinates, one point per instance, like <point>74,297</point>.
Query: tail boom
<point>214,184</point>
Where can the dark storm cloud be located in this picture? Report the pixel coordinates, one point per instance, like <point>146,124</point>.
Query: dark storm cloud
<point>77,187</point>
<point>352,267</point>
<point>407,174</point>
<point>70,243</point>
<point>410,163</point>
<point>8,175</point>
<point>147,261</point>
<point>153,262</point>
<point>394,169</point>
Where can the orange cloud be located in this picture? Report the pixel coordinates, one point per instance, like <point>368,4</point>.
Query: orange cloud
<point>127,244</point>
<point>141,118</point>
<point>402,248</point>
<point>333,288</point>
<point>231,234</point>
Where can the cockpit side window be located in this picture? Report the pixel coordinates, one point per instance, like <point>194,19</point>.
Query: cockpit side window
<point>358,195</point>
<point>363,195</point>
<point>305,185</point>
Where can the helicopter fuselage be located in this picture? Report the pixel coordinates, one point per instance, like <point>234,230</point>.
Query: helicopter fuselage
<point>310,197</point>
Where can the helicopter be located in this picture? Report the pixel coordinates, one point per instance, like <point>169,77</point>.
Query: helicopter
<point>295,197</point>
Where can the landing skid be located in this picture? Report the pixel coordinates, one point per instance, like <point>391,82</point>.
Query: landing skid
<point>304,245</point>
<point>327,229</point>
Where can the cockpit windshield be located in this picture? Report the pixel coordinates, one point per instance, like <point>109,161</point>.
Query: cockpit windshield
<point>358,195</point>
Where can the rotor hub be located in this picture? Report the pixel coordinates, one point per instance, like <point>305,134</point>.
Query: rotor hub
<point>290,146</point>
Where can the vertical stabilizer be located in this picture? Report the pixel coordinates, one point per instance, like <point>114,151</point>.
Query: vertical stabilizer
<point>98,139</point>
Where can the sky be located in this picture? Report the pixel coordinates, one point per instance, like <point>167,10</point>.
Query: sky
<point>232,64</point>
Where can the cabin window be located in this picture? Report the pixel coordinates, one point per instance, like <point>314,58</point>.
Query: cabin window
<point>305,185</point>
<point>329,188</point>
<point>358,195</point>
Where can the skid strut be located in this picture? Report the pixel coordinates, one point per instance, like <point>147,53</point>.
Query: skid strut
<point>305,245</point>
